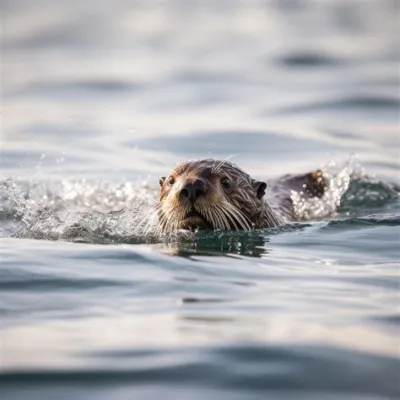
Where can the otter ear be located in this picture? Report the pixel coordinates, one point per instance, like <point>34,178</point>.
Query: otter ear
<point>259,188</point>
<point>162,180</point>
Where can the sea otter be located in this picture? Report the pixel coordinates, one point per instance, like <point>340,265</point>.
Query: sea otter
<point>218,195</point>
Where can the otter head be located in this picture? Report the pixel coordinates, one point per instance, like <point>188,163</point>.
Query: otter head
<point>210,194</point>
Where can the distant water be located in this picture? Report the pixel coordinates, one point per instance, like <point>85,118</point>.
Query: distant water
<point>99,101</point>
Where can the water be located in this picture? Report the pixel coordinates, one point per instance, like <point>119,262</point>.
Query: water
<point>99,101</point>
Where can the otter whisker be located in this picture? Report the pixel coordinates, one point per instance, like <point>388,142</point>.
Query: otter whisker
<point>209,215</point>
<point>205,213</point>
<point>149,217</point>
<point>219,223</point>
<point>234,217</point>
<point>161,226</point>
<point>158,231</point>
<point>223,161</point>
<point>238,216</point>
<point>241,218</point>
<point>166,222</point>
<point>165,225</point>
<point>223,216</point>
<point>171,225</point>
<point>238,213</point>
<point>180,215</point>
<point>230,217</point>
<point>213,220</point>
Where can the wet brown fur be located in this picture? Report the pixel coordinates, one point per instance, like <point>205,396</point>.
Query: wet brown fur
<point>241,206</point>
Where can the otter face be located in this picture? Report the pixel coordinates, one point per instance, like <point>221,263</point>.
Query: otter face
<point>209,194</point>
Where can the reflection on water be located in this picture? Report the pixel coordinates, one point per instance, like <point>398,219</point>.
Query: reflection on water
<point>99,100</point>
<point>251,244</point>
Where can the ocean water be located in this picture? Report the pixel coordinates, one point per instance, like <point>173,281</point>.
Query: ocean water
<point>100,99</point>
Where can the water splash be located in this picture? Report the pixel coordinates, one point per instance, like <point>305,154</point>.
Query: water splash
<point>338,181</point>
<point>103,212</point>
<point>350,191</point>
<point>79,211</point>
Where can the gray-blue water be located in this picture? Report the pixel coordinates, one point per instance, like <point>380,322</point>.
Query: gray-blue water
<point>101,98</point>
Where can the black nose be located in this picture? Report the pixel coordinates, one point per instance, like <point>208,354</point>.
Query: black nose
<point>193,190</point>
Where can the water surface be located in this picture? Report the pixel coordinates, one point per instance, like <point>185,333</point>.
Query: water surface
<point>98,102</point>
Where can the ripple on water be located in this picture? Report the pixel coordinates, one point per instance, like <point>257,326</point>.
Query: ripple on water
<point>309,60</point>
<point>356,103</point>
<point>305,311</point>
<point>221,144</point>
<point>251,370</point>
<point>76,89</point>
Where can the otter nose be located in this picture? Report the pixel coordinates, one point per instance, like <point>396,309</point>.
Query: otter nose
<point>193,190</point>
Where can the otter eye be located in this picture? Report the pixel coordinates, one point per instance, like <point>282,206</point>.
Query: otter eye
<point>171,180</point>
<point>226,182</point>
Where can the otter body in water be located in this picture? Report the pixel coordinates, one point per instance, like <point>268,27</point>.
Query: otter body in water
<point>217,194</point>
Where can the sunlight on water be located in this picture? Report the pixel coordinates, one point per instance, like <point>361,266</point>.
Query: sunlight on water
<point>99,101</point>
<point>104,212</point>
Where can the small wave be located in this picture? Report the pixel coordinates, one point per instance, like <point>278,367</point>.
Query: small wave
<point>347,104</point>
<point>42,284</point>
<point>308,59</point>
<point>88,86</point>
<point>256,367</point>
<point>369,220</point>
<point>367,192</point>
<point>350,191</point>
<point>102,212</point>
